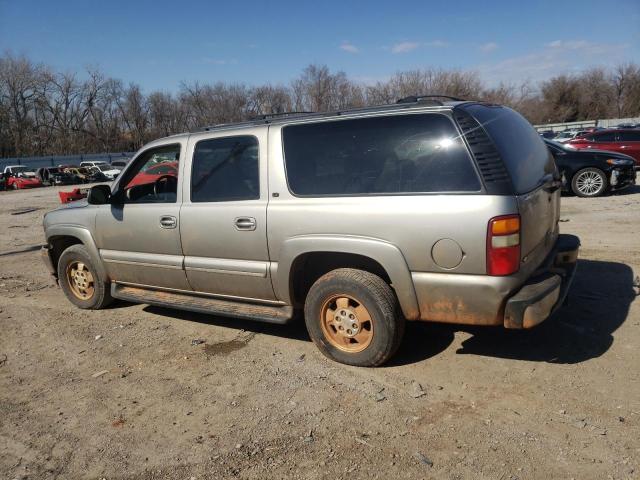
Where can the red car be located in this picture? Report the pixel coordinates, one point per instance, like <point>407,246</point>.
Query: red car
<point>19,176</point>
<point>151,174</point>
<point>625,141</point>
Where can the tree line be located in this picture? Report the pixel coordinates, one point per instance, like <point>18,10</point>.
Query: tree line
<point>45,112</point>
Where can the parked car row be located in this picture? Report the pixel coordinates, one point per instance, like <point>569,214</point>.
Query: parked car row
<point>16,177</point>
<point>591,173</point>
<point>624,139</point>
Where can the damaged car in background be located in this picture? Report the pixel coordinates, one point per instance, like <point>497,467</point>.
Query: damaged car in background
<point>85,174</point>
<point>54,176</point>
<point>592,173</point>
<point>20,176</point>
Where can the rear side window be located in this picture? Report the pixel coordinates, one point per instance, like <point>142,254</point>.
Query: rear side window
<point>523,152</point>
<point>225,169</point>
<point>419,153</point>
<point>632,136</point>
<point>603,137</point>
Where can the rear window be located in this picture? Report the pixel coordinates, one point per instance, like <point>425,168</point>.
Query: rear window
<point>524,153</point>
<point>632,136</point>
<point>225,169</point>
<point>420,153</point>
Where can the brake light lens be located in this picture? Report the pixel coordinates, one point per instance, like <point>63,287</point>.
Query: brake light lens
<point>503,245</point>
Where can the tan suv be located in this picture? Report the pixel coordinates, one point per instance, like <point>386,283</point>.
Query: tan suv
<point>426,210</point>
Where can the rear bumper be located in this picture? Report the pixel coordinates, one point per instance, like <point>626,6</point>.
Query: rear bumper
<point>483,299</point>
<point>546,291</point>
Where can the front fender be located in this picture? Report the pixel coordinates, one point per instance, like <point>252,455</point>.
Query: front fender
<point>385,253</point>
<point>84,235</point>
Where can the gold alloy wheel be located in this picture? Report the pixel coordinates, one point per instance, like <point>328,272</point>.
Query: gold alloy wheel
<point>346,323</point>
<point>80,280</point>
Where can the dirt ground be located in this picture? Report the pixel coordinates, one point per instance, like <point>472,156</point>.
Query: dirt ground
<point>124,394</point>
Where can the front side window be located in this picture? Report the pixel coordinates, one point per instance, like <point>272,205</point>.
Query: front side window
<point>154,177</point>
<point>225,169</point>
<point>420,153</point>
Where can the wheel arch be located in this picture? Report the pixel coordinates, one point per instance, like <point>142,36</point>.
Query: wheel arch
<point>329,252</point>
<point>61,237</point>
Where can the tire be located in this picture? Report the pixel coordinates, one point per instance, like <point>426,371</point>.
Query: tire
<point>589,182</point>
<point>378,328</point>
<point>95,294</point>
<point>15,186</point>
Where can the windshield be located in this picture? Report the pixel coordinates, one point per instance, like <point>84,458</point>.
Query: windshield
<point>19,169</point>
<point>104,168</point>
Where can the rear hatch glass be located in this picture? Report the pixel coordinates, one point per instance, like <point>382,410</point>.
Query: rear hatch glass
<point>524,153</point>
<point>532,170</point>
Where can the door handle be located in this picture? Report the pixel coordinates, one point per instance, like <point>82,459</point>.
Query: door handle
<point>245,223</point>
<point>168,221</point>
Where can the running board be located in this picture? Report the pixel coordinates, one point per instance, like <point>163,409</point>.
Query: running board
<point>211,306</point>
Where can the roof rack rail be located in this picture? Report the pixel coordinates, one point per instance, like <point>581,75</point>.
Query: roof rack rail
<point>267,116</point>
<point>283,117</point>
<point>417,98</point>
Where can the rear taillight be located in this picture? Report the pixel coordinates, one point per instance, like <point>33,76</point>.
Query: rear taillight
<point>503,245</point>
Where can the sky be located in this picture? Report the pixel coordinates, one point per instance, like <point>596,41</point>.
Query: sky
<point>159,44</point>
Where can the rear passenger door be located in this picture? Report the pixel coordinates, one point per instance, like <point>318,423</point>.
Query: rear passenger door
<point>224,215</point>
<point>630,144</point>
<point>603,141</point>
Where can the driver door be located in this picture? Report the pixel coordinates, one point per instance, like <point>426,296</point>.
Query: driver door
<point>139,233</point>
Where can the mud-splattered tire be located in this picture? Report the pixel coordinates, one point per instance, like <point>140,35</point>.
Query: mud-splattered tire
<point>353,317</point>
<point>80,281</point>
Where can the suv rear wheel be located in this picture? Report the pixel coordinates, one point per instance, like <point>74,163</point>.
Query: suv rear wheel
<point>589,182</point>
<point>354,318</point>
<point>79,279</point>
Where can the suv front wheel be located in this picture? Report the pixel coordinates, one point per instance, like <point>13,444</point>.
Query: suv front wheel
<point>79,279</point>
<point>353,317</point>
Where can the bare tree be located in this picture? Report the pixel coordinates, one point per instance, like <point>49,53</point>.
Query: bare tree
<point>20,82</point>
<point>135,114</point>
<point>47,112</point>
<point>625,80</point>
<point>319,90</point>
<point>267,99</point>
<point>425,82</point>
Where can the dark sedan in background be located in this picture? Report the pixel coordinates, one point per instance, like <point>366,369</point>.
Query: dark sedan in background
<point>591,173</point>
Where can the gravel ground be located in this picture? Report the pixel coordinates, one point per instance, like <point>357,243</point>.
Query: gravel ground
<point>123,393</point>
